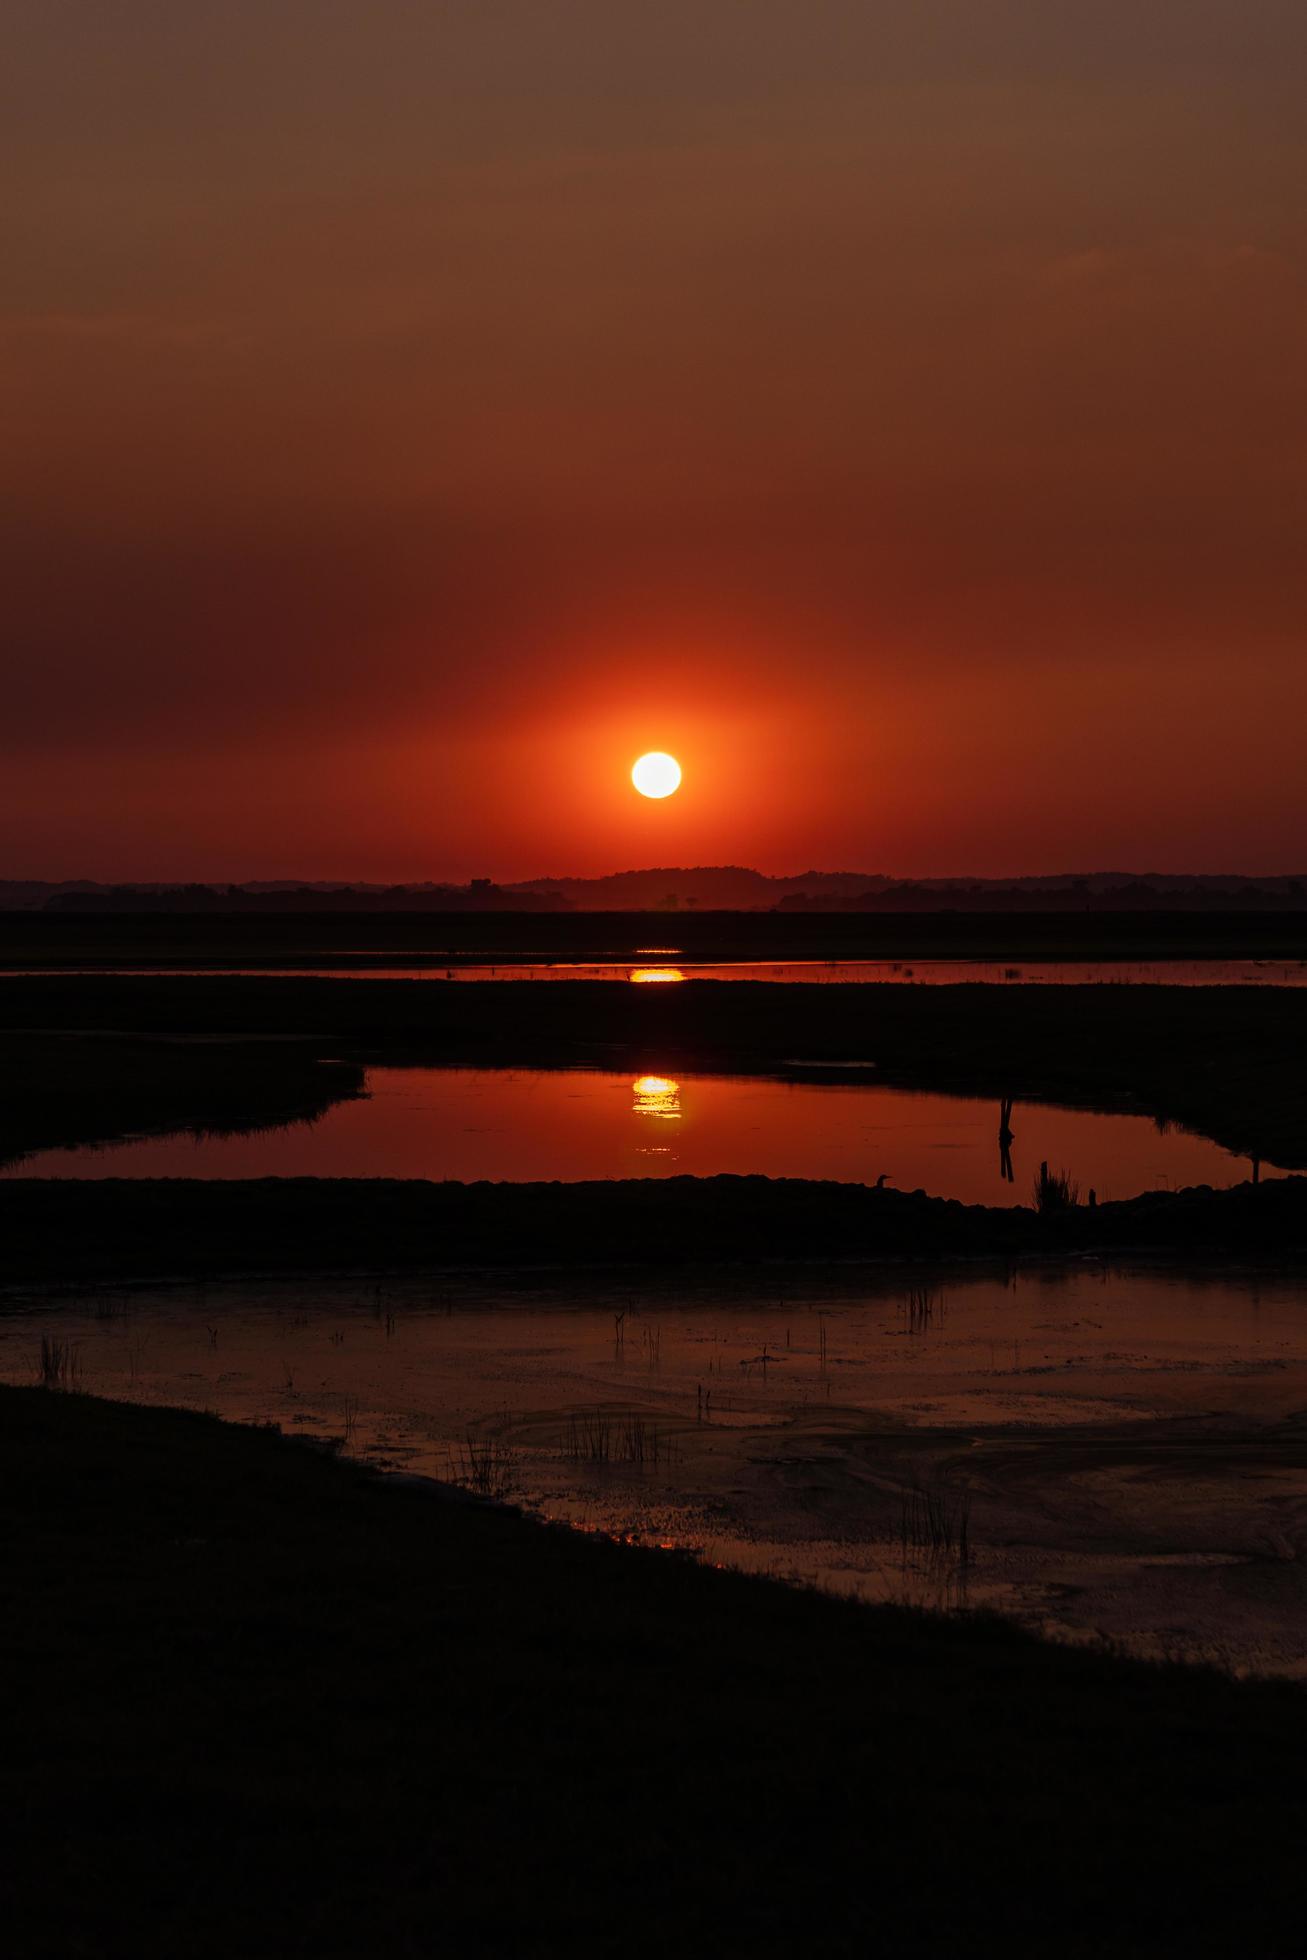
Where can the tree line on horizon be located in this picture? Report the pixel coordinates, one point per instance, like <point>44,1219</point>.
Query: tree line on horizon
<point>670,889</point>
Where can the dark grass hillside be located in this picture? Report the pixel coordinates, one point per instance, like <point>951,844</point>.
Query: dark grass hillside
<point>104,1230</point>
<point>256,1702</point>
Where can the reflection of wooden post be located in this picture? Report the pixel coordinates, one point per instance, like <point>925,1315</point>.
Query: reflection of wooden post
<point>1005,1140</point>
<point>1257,1170</point>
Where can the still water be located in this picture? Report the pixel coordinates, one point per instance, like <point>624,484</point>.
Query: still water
<point>662,966</point>
<point>1094,1451</point>
<point>526,1124</point>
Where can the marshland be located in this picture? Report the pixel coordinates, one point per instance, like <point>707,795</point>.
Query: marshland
<point>885,1376</point>
<point>1124,1443</point>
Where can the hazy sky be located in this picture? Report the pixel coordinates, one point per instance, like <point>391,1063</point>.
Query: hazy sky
<point>413,409</point>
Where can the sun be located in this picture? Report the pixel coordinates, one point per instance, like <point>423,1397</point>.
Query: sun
<point>657,774</point>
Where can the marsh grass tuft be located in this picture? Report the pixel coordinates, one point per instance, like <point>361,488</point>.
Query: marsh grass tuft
<point>484,1465</point>
<point>921,1309</point>
<point>936,1523</point>
<point>58,1366</point>
<point>1054,1190</point>
<point>595,1436</point>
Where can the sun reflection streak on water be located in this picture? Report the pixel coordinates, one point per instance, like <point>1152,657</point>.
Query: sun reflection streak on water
<point>642,976</point>
<point>657,1095</point>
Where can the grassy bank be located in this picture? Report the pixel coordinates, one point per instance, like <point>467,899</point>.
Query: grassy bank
<point>257,1703</point>
<point>88,1231</point>
<point>75,1090</point>
<point>284,937</point>
<point>1229,1062</point>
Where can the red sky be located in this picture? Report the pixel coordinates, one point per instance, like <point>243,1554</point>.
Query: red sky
<point>412,412</point>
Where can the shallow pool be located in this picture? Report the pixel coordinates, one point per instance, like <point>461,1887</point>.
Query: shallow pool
<point>526,1124</point>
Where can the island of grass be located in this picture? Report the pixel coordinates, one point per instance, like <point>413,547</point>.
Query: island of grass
<point>261,1702</point>
<point>90,1088</point>
<point>112,1231</point>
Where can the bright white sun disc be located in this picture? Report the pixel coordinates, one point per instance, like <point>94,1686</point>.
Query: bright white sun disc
<point>656,774</point>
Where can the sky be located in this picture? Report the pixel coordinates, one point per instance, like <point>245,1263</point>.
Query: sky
<point>414,409</point>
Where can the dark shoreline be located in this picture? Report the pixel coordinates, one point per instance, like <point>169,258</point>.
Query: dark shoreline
<point>99,1231</point>
<point>67,1090</point>
<point>260,1701</point>
<point>1146,933</point>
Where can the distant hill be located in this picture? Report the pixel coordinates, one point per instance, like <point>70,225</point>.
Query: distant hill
<point>1099,892</point>
<point>732,888</point>
<point>703,888</point>
<point>706,888</point>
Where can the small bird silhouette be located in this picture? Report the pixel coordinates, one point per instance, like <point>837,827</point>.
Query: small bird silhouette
<point>884,1179</point>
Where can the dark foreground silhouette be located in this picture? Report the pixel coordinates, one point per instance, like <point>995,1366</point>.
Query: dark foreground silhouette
<point>259,1702</point>
<point>111,1229</point>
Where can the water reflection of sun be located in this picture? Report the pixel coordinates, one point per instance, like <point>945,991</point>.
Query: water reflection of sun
<point>657,1095</point>
<point>642,975</point>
